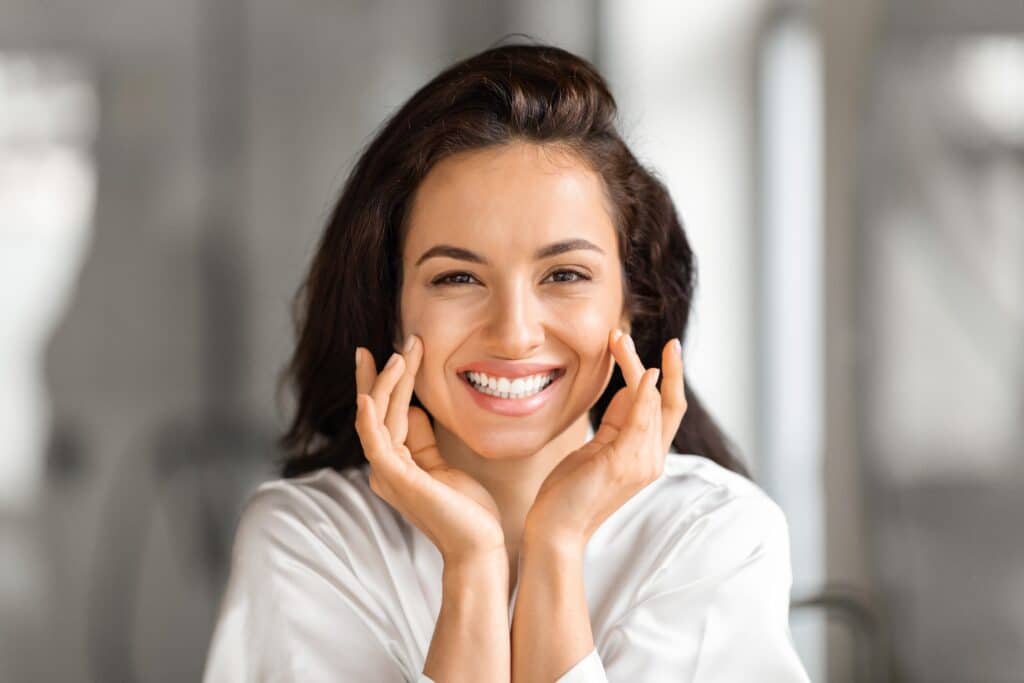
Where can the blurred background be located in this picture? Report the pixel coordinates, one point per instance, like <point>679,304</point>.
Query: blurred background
<point>851,176</point>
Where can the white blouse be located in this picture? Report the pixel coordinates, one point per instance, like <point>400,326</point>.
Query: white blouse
<point>688,581</point>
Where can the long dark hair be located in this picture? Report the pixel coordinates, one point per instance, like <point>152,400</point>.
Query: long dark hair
<point>533,93</point>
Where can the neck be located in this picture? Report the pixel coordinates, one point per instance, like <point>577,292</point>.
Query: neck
<point>512,480</point>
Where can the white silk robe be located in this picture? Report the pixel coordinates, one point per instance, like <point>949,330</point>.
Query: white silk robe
<point>688,581</point>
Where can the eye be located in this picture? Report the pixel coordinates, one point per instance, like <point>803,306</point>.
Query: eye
<point>446,279</point>
<point>566,275</point>
<point>580,277</point>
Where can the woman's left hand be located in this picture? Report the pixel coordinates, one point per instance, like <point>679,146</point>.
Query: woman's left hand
<point>626,454</point>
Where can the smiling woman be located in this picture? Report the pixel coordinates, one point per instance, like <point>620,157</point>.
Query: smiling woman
<point>511,270</point>
<point>527,281</point>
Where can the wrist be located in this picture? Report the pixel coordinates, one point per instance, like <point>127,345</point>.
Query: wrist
<point>550,526</point>
<point>560,543</point>
<point>470,586</point>
<point>476,567</point>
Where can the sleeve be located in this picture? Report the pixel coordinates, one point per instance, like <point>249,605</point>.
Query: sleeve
<point>715,611</point>
<point>291,611</point>
<point>588,670</point>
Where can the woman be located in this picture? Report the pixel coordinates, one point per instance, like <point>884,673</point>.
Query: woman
<point>512,496</point>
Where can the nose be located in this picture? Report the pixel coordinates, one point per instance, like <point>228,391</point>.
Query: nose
<point>516,322</point>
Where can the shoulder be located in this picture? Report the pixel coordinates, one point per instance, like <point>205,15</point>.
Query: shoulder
<point>700,520</point>
<point>326,508</point>
<point>310,497</point>
<point>311,557</point>
<point>702,487</point>
<point>693,487</point>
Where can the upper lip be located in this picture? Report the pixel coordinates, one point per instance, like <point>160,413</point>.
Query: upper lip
<point>499,368</point>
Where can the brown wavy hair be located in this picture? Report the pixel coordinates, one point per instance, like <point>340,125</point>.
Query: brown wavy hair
<point>522,92</point>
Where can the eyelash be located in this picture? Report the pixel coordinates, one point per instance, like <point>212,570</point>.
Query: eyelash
<point>442,280</point>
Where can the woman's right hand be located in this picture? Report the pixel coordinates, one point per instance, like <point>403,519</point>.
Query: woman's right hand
<point>451,508</point>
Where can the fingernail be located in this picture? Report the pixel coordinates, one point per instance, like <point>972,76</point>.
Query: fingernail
<point>629,343</point>
<point>357,356</point>
<point>678,345</point>
<point>657,374</point>
<point>391,361</point>
<point>615,335</point>
<point>408,344</point>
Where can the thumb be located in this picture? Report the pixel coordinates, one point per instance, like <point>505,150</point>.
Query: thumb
<point>421,441</point>
<point>615,416</point>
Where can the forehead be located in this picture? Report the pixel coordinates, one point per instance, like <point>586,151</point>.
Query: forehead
<point>516,197</point>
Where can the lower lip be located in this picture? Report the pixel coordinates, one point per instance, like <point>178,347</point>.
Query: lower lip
<point>516,407</point>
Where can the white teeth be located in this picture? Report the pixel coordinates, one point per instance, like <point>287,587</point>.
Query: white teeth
<point>503,387</point>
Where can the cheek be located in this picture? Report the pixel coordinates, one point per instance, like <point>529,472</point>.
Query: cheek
<point>589,322</point>
<point>586,332</point>
<point>440,330</point>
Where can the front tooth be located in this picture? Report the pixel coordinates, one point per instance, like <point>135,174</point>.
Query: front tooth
<point>504,385</point>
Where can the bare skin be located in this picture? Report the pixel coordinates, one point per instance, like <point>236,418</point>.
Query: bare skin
<point>496,492</point>
<point>504,204</point>
<point>588,485</point>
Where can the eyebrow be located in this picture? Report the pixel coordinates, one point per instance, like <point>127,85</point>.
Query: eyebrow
<point>554,249</point>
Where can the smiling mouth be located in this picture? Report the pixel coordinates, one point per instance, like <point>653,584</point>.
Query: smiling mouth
<point>511,389</point>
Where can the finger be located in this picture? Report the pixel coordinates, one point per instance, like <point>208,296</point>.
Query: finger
<point>673,393</point>
<point>630,443</point>
<point>624,351</point>
<point>388,468</point>
<point>372,435</point>
<point>366,371</point>
<point>398,408</point>
<point>651,454</point>
<point>385,384</point>
<point>658,449</point>
<point>421,442</point>
<point>615,416</point>
<point>617,412</point>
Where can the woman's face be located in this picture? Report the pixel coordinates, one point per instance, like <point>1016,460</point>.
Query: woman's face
<point>482,294</point>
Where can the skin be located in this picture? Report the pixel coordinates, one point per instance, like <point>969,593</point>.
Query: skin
<point>486,487</point>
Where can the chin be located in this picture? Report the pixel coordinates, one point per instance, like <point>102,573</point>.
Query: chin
<point>516,443</point>
<point>498,446</point>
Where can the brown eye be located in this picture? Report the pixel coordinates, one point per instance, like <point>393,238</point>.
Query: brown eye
<point>447,279</point>
<point>580,277</point>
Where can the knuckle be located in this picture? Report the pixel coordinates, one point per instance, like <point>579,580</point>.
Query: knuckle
<point>613,463</point>
<point>620,475</point>
<point>622,471</point>
<point>677,404</point>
